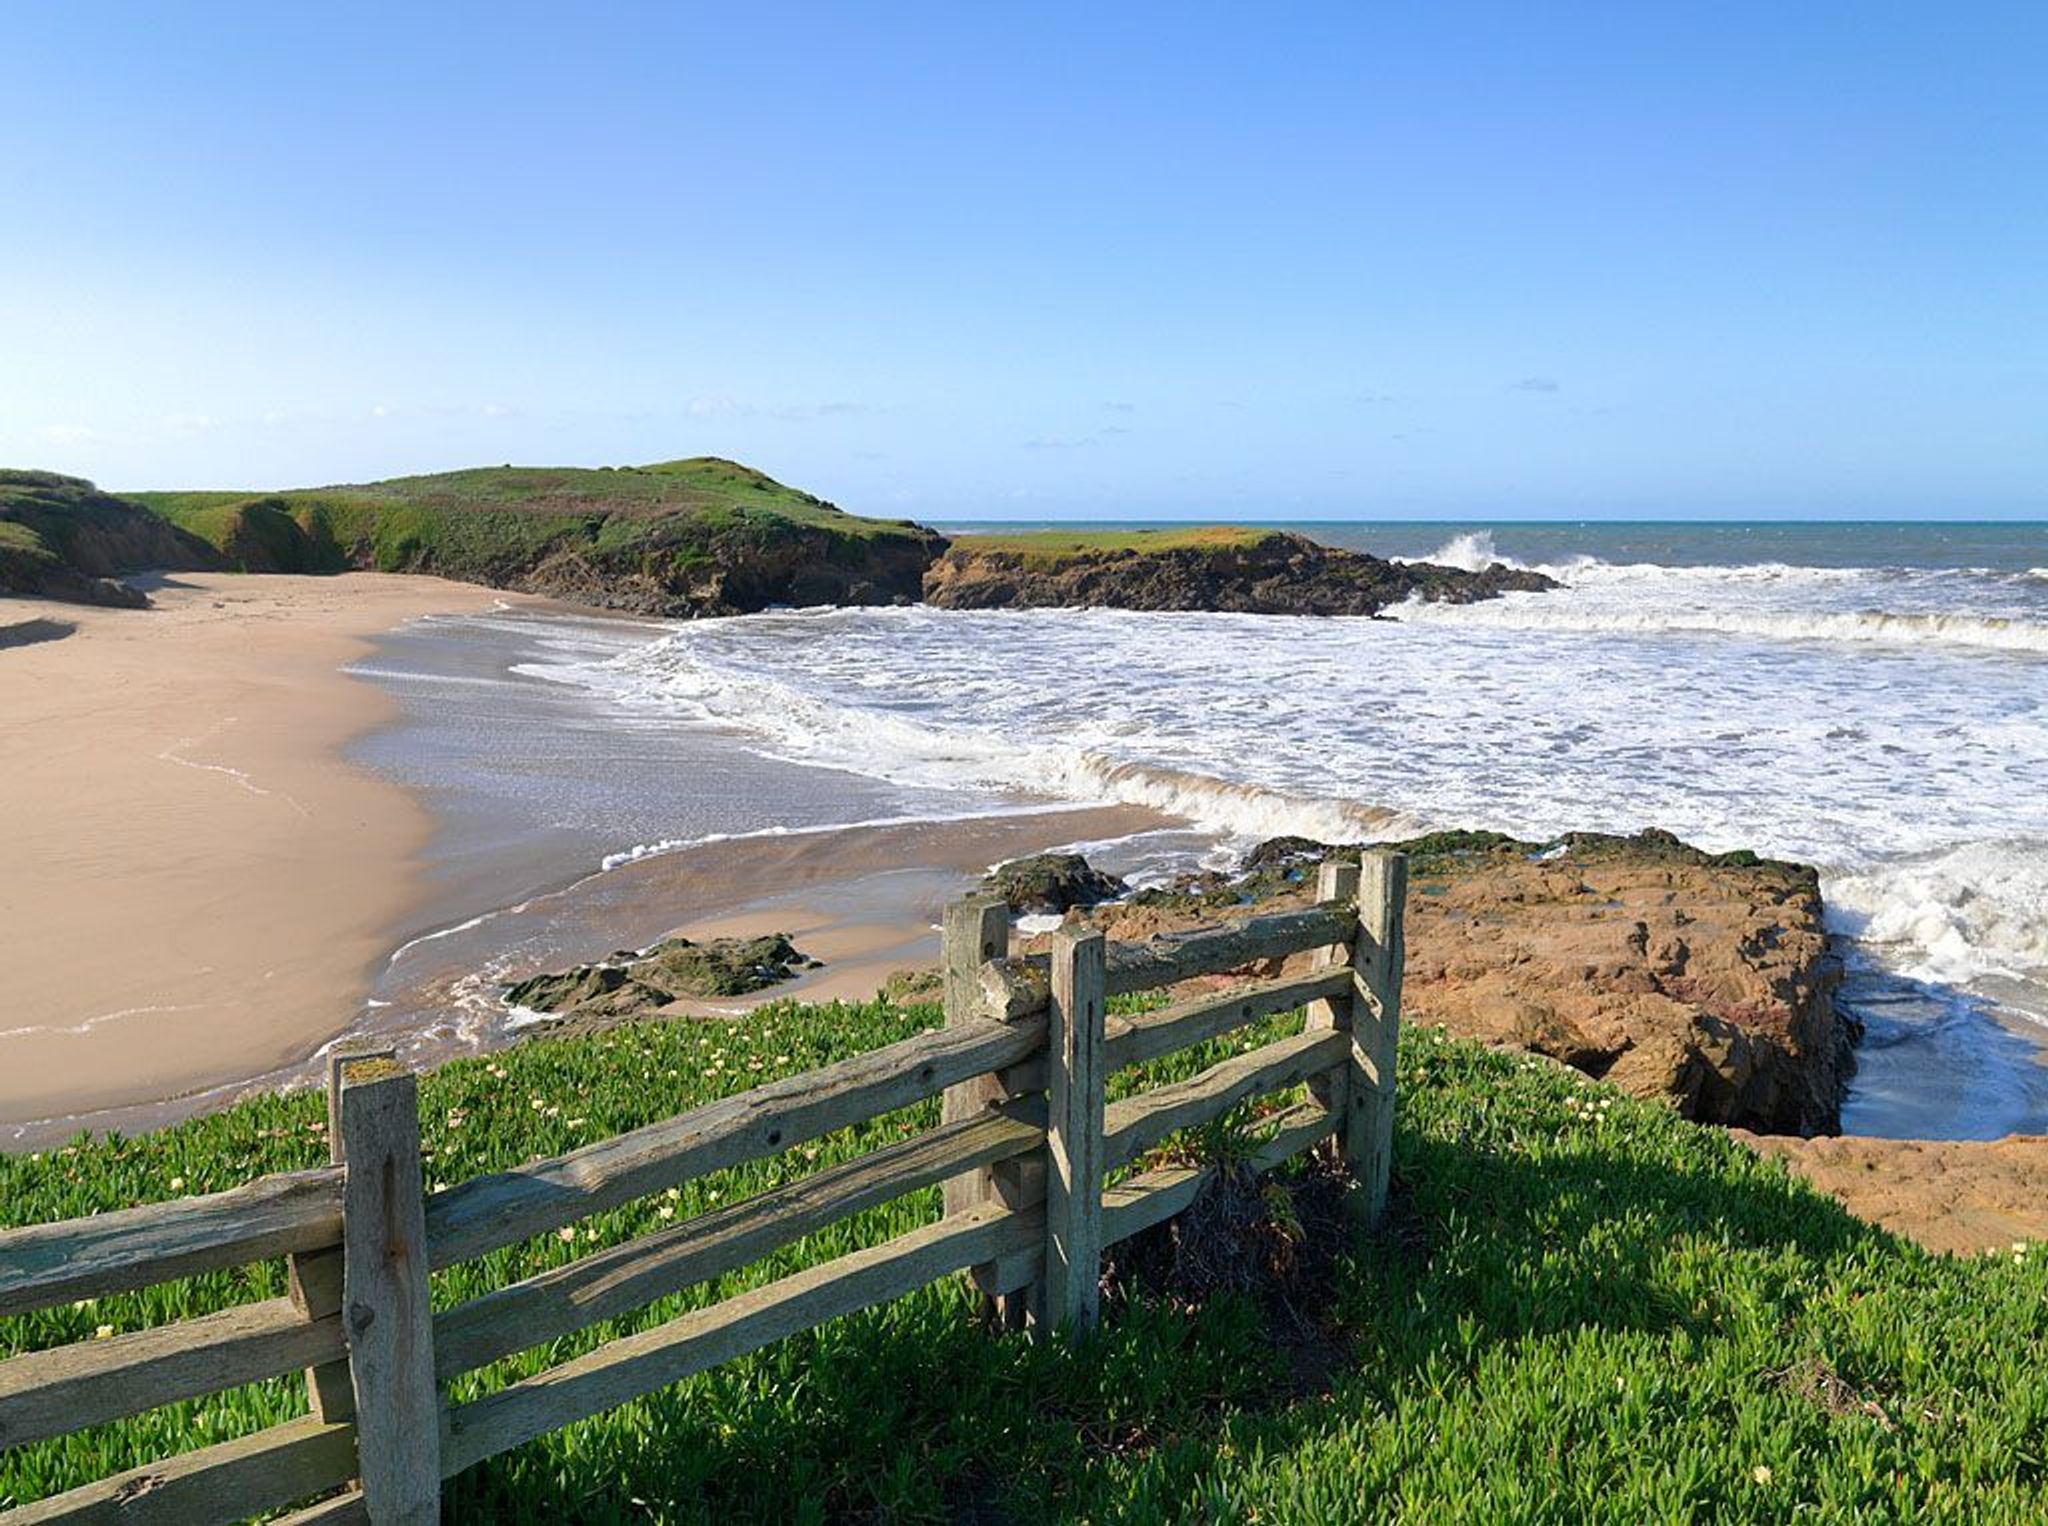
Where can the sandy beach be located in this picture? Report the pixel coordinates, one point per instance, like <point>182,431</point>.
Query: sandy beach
<point>220,855</point>
<point>195,886</point>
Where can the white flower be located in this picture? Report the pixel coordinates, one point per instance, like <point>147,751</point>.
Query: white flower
<point>1760,1473</point>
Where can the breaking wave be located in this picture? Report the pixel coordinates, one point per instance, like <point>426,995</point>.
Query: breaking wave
<point>1954,917</point>
<point>1538,612</point>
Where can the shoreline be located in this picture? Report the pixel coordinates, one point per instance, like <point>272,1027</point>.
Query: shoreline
<point>200,884</point>
<point>421,879</point>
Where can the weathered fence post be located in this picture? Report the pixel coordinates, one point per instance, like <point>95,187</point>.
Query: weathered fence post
<point>1336,881</point>
<point>1368,1127</point>
<point>313,1278</point>
<point>1071,1293</point>
<point>975,930</point>
<point>385,1308</point>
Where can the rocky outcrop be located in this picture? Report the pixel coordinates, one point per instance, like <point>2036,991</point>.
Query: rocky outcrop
<point>1966,1196</point>
<point>631,984</point>
<point>62,538</point>
<point>1668,975</point>
<point>1273,573</point>
<point>1702,979</point>
<point>1047,884</point>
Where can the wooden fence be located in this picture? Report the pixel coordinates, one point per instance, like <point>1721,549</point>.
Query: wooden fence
<point>1025,1142</point>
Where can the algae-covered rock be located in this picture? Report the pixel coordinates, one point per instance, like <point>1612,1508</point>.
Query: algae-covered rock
<point>675,969</point>
<point>920,984</point>
<point>1047,884</point>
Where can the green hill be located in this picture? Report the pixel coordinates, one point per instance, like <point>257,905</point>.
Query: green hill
<point>61,538</point>
<point>698,536</point>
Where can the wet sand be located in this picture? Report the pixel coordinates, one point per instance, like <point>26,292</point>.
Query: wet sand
<point>865,900</point>
<point>194,886</point>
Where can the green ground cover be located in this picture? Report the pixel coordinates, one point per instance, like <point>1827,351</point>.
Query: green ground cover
<point>1583,1308</point>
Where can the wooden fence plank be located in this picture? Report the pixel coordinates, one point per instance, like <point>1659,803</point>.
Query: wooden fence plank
<point>1147,1036</point>
<point>313,1280</point>
<point>228,1482</point>
<point>487,1212</point>
<point>1070,1298</point>
<point>654,1359</point>
<point>45,1264</point>
<point>1136,1124</point>
<point>67,1388</point>
<point>346,1509</point>
<point>626,1277</point>
<point>1375,1030</point>
<point>1017,987</point>
<point>1154,1034</point>
<point>385,1307</point>
<point>1167,961</point>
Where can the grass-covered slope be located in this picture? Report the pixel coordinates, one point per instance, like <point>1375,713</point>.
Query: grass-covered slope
<point>1584,1309</point>
<point>62,538</point>
<point>682,537</point>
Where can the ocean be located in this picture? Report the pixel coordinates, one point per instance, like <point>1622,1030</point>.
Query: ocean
<point>1869,698</point>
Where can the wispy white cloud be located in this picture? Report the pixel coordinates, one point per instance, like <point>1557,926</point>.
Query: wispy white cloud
<point>1534,384</point>
<point>66,434</point>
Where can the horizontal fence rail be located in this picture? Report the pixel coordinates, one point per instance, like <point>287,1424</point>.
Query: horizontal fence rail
<point>1041,1173</point>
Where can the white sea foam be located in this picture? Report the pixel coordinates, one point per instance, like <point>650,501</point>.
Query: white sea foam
<point>1953,917</point>
<point>1472,551</point>
<point>1531,612</point>
<point>667,845</point>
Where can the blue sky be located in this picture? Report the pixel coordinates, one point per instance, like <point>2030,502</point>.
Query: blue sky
<point>1028,262</point>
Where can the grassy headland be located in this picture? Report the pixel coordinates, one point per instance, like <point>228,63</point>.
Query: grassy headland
<point>1584,1308</point>
<point>679,537</point>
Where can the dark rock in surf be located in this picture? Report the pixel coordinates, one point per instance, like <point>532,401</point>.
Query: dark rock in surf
<point>1270,573</point>
<point>675,969</point>
<point>1047,884</point>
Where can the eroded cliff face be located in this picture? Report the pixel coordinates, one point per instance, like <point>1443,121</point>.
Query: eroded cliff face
<point>1706,981</point>
<point>1272,574</point>
<point>62,538</point>
<point>723,574</point>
